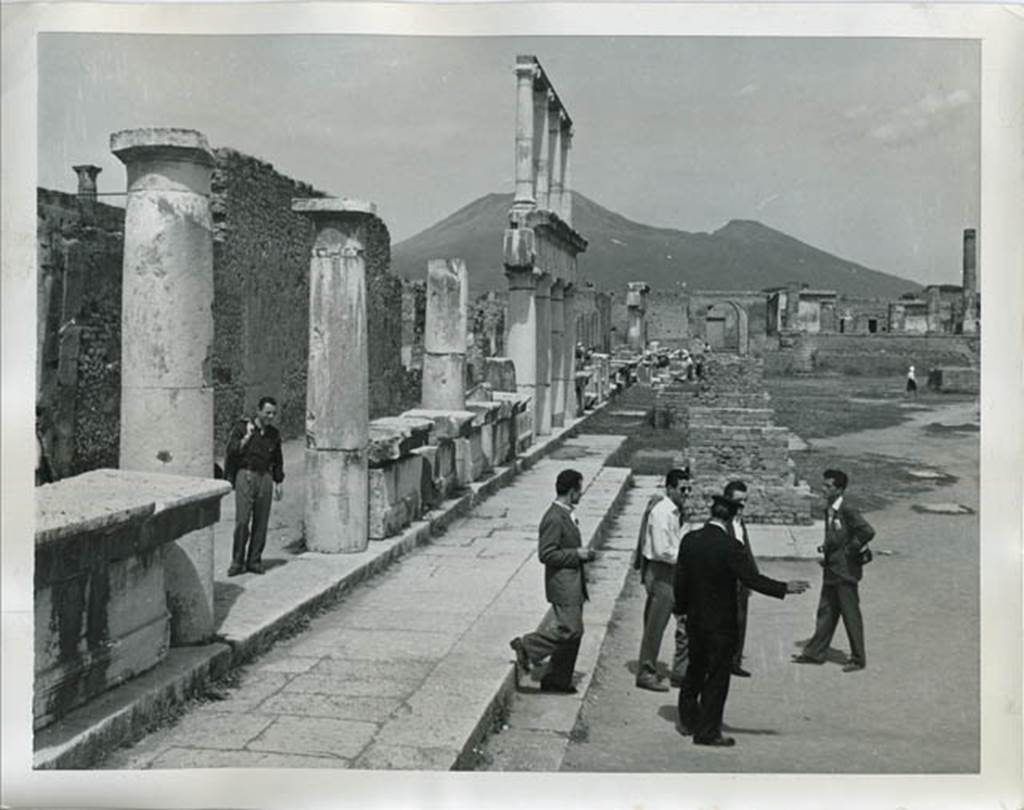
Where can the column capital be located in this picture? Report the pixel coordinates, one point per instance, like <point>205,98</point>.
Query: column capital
<point>157,143</point>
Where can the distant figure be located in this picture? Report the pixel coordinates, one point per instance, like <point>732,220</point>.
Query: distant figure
<point>661,528</point>
<point>710,565</point>
<point>560,549</point>
<point>911,383</point>
<point>845,552</point>
<point>255,467</point>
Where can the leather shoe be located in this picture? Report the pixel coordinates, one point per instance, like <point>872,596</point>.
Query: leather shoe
<point>651,684</point>
<point>558,689</point>
<point>805,659</point>
<point>255,568</point>
<point>685,729</point>
<point>740,672</point>
<point>852,667</point>
<point>721,742</point>
<point>236,569</point>
<point>522,659</point>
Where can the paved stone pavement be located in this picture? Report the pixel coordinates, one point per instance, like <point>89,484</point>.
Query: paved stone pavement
<point>913,710</point>
<point>403,671</point>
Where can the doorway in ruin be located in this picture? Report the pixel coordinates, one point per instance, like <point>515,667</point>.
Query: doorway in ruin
<point>726,327</point>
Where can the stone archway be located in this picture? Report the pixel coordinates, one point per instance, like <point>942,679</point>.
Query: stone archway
<point>726,327</point>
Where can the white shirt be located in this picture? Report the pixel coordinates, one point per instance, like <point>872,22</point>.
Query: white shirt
<point>661,544</point>
<point>737,529</point>
<point>568,508</point>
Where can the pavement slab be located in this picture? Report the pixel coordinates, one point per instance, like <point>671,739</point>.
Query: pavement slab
<point>405,670</point>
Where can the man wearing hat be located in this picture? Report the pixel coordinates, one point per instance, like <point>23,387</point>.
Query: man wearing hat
<point>711,563</point>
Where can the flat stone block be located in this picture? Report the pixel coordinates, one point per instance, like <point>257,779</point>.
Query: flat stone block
<point>365,709</point>
<point>395,436</point>
<point>179,758</point>
<point>315,736</point>
<point>500,373</point>
<point>394,496</point>
<point>447,424</point>
<point>444,378</point>
<point>407,758</point>
<point>337,500</point>
<point>333,205</point>
<point>217,730</point>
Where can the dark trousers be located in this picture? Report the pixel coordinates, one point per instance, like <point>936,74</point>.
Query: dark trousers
<point>558,638</point>
<point>742,600</point>
<point>253,495</point>
<point>838,599</point>
<point>658,580</point>
<point>706,685</point>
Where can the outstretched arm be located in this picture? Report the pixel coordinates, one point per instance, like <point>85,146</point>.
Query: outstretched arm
<point>745,572</point>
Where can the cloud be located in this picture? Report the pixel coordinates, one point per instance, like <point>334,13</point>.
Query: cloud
<point>747,89</point>
<point>926,115</point>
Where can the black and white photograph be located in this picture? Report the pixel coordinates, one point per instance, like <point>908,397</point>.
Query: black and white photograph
<point>428,390</point>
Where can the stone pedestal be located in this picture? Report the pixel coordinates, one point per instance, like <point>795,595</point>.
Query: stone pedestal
<point>166,337</point>
<point>522,328</point>
<point>337,388</point>
<point>444,343</point>
<point>542,400</point>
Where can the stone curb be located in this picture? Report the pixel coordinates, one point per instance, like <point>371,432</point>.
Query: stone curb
<point>119,715</point>
<point>466,759</point>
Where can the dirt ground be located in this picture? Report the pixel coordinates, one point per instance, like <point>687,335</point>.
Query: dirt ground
<point>915,709</point>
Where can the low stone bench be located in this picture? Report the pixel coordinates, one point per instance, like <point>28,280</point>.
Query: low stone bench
<point>521,426</point>
<point>101,590</point>
<point>460,428</point>
<point>488,416</point>
<point>395,473</point>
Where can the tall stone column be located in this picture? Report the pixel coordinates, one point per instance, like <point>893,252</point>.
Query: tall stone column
<point>542,143</point>
<point>793,306</point>
<point>542,415</point>
<point>558,353</point>
<point>526,71</point>
<point>444,360</point>
<point>87,175</point>
<point>933,297</point>
<point>569,339</point>
<point>555,155</point>
<point>636,301</point>
<point>566,141</point>
<point>970,282</point>
<point>166,340</point>
<point>522,330</point>
<point>338,380</point>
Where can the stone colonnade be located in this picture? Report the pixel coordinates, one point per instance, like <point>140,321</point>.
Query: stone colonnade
<point>636,307</point>
<point>540,250</point>
<point>167,335</point>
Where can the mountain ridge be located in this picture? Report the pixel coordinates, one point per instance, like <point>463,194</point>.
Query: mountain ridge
<point>743,254</point>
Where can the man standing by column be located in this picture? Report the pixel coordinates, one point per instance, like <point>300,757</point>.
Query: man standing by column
<point>710,565</point>
<point>560,549</point>
<point>660,533</point>
<point>255,467</point>
<point>845,552</point>
<point>736,491</point>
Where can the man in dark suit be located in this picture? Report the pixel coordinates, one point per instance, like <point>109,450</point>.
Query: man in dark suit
<point>710,565</point>
<point>845,552</point>
<point>560,549</point>
<point>736,491</point>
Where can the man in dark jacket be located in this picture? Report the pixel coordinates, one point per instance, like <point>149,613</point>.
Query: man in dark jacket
<point>560,549</point>
<point>254,465</point>
<point>710,565</point>
<point>845,551</point>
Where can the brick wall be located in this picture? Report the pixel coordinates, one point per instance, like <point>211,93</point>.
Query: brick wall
<point>261,312</point>
<point>867,354</point>
<point>80,249</point>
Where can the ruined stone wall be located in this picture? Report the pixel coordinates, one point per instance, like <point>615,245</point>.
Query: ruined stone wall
<point>80,249</point>
<point>667,318</point>
<point>260,309</point>
<point>863,354</point>
<point>728,424</point>
<point>594,315</point>
<point>414,323</point>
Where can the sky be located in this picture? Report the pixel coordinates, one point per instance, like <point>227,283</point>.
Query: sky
<point>865,148</point>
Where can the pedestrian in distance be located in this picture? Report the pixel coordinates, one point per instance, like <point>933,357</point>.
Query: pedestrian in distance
<point>255,467</point>
<point>911,383</point>
<point>711,564</point>
<point>736,491</point>
<point>844,555</point>
<point>661,528</point>
<point>560,549</point>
